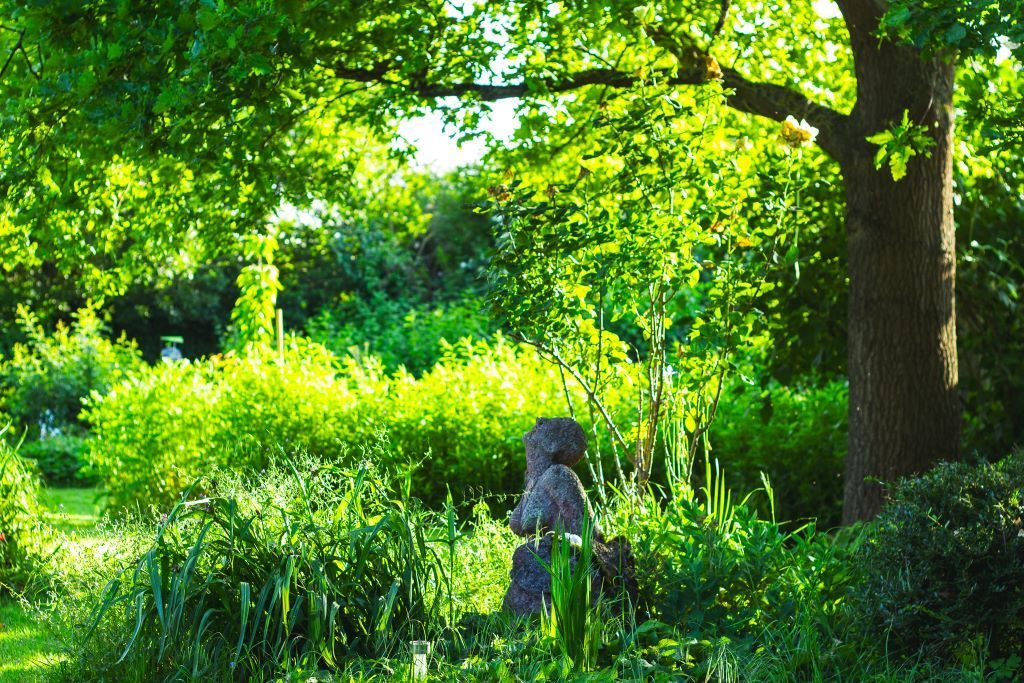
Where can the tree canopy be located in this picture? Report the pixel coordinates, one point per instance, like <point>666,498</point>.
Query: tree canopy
<point>142,138</point>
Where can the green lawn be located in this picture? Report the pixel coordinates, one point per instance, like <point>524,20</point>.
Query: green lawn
<point>26,645</point>
<point>73,511</point>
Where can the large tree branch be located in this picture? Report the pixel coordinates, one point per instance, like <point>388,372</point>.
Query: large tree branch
<point>776,102</point>
<point>762,99</point>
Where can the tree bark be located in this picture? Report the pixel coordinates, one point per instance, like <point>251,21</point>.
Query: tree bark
<point>904,403</point>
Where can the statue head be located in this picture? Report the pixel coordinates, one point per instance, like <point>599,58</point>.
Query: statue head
<point>553,441</point>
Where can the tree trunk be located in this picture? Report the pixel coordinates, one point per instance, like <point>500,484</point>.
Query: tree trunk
<point>904,405</point>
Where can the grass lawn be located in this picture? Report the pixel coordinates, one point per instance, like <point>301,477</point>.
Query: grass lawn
<point>26,645</point>
<point>73,511</point>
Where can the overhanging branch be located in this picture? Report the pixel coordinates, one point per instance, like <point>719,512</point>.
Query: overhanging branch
<point>762,99</point>
<point>776,102</point>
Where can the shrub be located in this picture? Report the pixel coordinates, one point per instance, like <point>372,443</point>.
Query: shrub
<point>60,458</point>
<point>944,564</point>
<point>715,568</point>
<point>400,334</point>
<point>469,413</point>
<point>23,533</point>
<point>163,426</point>
<point>298,566</point>
<point>44,382</point>
<point>46,379</point>
<point>732,591</point>
<point>797,436</point>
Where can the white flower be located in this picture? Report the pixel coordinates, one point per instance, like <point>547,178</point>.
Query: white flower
<point>797,134</point>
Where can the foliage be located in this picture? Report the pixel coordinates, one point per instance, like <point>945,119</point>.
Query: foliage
<point>986,30</point>
<point>636,235</point>
<point>459,425</point>
<point>400,334</point>
<point>572,618</point>
<point>45,379</point>
<point>717,571</point>
<point>989,195</point>
<point>302,565</point>
<point>163,426</point>
<point>738,598</point>
<point>297,96</point>
<point>980,26</point>
<point>253,317</point>
<point>943,562</point>
<point>195,305</point>
<point>23,534</point>
<point>796,436</point>
<point>899,144</point>
<point>806,310</point>
<point>60,459</point>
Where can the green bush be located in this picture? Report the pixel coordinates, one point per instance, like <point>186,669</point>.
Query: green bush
<point>400,334</point>
<point>23,532</point>
<point>797,437</point>
<point>712,568</point>
<point>298,566</point>
<point>944,564</point>
<point>60,459</point>
<point>460,424</point>
<point>163,426</point>
<point>45,380</point>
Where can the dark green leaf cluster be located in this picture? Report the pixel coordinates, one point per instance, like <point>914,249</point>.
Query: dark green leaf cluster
<point>795,436</point>
<point>400,334</point>
<point>987,30</point>
<point>61,460</point>
<point>944,563</point>
<point>979,27</point>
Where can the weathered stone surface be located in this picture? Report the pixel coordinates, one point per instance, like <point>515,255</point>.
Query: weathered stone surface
<point>558,440</point>
<point>611,573</point>
<point>554,499</point>
<point>553,491</point>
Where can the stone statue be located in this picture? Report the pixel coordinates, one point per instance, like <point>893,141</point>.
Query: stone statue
<point>554,499</point>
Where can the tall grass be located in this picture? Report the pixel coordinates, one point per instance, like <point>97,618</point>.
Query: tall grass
<point>25,538</point>
<point>571,619</point>
<point>310,571</point>
<point>296,568</point>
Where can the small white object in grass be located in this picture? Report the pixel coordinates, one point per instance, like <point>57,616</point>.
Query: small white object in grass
<point>420,650</point>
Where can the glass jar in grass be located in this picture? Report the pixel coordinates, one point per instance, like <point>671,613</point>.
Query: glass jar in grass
<point>420,651</point>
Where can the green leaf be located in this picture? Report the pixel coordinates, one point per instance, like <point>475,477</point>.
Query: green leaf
<point>955,33</point>
<point>164,101</point>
